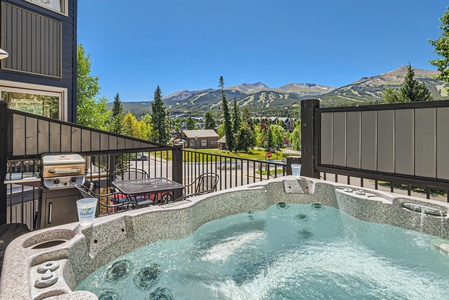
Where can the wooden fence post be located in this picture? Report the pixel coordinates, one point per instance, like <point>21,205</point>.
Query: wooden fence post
<point>309,138</point>
<point>3,160</point>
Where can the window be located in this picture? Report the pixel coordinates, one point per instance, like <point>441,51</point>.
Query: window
<point>203,143</point>
<point>56,5</point>
<point>44,101</point>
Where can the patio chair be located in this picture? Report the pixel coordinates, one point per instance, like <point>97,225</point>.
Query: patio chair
<point>131,174</point>
<point>118,204</point>
<point>203,184</point>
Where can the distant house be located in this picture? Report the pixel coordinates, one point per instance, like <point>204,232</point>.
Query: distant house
<point>222,143</point>
<point>199,139</point>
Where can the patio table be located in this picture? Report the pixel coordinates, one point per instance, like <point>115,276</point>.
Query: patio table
<point>132,189</point>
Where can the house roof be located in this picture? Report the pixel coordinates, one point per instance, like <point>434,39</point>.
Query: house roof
<point>222,140</point>
<point>200,133</point>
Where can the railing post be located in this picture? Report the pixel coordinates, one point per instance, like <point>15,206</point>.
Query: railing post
<point>177,169</point>
<point>3,160</point>
<point>309,138</point>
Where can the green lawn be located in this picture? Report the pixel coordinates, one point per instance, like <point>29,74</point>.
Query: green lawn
<point>253,154</point>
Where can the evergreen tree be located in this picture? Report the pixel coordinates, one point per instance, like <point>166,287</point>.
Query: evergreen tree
<point>236,118</point>
<point>190,124</point>
<point>159,119</point>
<point>442,49</point>
<point>246,118</point>
<point>209,121</point>
<point>227,118</point>
<point>116,124</point>
<point>245,139</point>
<point>412,90</point>
<point>270,142</point>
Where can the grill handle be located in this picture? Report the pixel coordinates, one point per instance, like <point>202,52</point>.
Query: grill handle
<point>53,171</point>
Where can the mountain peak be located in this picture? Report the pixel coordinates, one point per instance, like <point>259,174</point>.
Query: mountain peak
<point>402,71</point>
<point>250,87</point>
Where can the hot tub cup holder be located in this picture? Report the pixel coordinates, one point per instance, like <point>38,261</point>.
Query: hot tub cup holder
<point>49,239</point>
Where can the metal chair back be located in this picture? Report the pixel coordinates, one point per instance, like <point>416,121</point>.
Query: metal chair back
<point>203,184</point>
<point>206,183</point>
<point>129,174</point>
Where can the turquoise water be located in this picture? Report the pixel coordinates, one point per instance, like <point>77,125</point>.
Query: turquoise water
<point>298,252</point>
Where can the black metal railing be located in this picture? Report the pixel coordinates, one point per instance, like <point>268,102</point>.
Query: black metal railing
<point>23,182</point>
<point>233,171</point>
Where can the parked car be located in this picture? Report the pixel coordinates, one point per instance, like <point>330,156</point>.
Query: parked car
<point>142,156</point>
<point>231,165</point>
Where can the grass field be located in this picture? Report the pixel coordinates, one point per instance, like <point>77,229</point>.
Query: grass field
<point>253,154</point>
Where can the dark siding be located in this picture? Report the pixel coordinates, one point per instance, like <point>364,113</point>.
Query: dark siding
<point>63,39</point>
<point>19,40</point>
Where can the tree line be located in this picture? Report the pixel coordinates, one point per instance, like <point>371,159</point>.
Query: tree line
<point>241,130</point>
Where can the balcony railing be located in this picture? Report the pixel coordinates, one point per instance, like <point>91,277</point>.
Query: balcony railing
<point>24,184</point>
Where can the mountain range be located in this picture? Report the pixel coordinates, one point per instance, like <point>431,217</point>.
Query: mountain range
<point>258,95</point>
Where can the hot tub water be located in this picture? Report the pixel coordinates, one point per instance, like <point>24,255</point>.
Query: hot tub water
<point>287,252</point>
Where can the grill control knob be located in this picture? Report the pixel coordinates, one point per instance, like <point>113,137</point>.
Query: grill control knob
<point>73,179</point>
<point>56,181</point>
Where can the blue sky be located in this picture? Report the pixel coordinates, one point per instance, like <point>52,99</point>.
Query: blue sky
<point>179,44</point>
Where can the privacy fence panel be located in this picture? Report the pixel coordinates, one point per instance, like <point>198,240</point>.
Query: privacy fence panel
<point>403,140</point>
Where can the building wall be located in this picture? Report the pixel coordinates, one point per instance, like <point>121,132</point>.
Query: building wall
<point>202,143</point>
<point>43,59</point>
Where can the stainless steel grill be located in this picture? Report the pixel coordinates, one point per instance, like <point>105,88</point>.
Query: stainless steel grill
<point>62,170</point>
<point>57,200</point>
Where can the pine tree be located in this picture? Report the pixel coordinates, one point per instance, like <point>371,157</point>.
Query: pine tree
<point>116,124</point>
<point>209,121</point>
<point>246,118</point>
<point>236,118</point>
<point>245,138</point>
<point>190,123</point>
<point>227,118</point>
<point>270,142</point>
<point>159,119</point>
<point>412,90</point>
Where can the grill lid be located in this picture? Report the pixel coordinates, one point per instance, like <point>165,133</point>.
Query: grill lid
<point>62,159</point>
<point>62,165</point>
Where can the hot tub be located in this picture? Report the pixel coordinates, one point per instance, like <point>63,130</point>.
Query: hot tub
<point>52,262</point>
